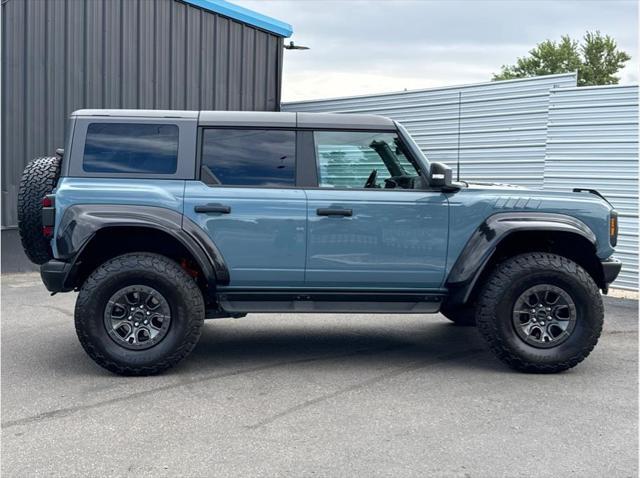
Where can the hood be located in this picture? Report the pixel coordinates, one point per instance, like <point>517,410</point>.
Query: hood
<point>476,185</point>
<point>589,195</point>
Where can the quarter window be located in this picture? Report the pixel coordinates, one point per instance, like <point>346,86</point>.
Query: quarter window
<point>131,148</point>
<point>249,157</point>
<point>350,159</point>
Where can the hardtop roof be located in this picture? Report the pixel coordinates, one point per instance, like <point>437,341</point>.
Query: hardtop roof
<point>254,118</point>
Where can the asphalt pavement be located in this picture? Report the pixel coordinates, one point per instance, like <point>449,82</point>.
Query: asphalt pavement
<point>312,395</point>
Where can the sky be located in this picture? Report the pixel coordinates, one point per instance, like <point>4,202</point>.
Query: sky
<point>360,47</point>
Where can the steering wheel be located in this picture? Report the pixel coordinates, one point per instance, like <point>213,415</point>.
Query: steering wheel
<point>371,180</point>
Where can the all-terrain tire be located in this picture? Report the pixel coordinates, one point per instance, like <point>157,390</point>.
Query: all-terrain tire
<point>460,315</point>
<point>38,179</point>
<point>495,310</point>
<point>147,270</point>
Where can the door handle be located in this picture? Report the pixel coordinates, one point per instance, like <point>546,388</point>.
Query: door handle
<point>218,208</point>
<point>324,211</point>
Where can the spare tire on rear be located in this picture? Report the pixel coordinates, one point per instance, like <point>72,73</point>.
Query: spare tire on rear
<point>38,179</point>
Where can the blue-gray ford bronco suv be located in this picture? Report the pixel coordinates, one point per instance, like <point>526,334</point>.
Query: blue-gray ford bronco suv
<point>161,219</point>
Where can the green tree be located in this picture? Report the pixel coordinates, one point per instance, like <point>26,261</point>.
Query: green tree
<point>597,60</point>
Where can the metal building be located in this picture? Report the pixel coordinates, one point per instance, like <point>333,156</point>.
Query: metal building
<point>592,142</point>
<point>540,132</point>
<point>63,55</point>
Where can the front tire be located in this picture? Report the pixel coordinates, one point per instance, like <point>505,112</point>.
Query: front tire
<point>540,312</point>
<point>139,314</point>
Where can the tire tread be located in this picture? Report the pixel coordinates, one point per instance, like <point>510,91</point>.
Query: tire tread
<point>502,276</point>
<point>144,261</point>
<point>38,179</point>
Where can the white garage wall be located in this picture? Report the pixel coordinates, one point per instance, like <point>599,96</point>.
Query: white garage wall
<point>592,142</point>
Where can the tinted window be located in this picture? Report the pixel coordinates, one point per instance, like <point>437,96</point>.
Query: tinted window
<point>131,148</point>
<point>249,157</point>
<point>346,159</point>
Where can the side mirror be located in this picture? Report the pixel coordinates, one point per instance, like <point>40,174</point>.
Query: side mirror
<point>440,176</point>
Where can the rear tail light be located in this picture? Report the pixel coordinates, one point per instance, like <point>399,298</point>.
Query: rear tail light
<point>48,215</point>
<point>613,228</point>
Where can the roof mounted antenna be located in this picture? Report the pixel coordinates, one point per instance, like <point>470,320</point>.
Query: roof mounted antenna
<point>459,120</point>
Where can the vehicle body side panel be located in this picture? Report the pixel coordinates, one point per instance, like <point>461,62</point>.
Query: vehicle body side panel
<point>498,226</point>
<point>471,207</point>
<point>159,193</point>
<point>82,221</point>
<point>262,238</point>
<point>394,239</point>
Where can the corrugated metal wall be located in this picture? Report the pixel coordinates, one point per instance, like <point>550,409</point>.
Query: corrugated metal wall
<point>502,124</point>
<point>62,55</point>
<point>539,132</point>
<point>592,142</point>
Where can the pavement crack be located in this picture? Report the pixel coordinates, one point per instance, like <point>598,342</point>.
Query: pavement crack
<point>365,383</point>
<point>64,412</point>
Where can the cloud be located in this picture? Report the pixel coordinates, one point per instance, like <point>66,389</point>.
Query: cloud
<point>360,47</point>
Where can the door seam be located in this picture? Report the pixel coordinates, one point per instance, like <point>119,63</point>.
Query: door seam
<point>306,237</point>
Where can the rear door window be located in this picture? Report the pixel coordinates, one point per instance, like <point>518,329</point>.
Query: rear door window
<point>131,148</point>
<point>249,157</point>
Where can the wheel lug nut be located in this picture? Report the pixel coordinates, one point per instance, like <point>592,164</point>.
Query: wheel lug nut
<point>548,318</point>
<point>130,317</point>
<point>146,322</point>
<point>542,322</point>
<point>136,323</point>
<point>148,313</point>
<point>548,308</point>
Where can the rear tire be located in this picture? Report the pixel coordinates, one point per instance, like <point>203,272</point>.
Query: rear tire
<point>38,179</point>
<point>139,314</point>
<point>518,300</point>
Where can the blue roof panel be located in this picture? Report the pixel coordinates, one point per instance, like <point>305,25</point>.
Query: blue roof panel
<point>245,15</point>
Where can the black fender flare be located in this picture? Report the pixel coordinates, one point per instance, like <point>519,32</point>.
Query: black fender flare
<point>483,242</point>
<point>81,222</point>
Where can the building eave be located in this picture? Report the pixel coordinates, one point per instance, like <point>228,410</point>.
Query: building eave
<point>244,15</point>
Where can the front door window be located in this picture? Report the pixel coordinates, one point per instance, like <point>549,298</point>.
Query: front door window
<point>363,160</point>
